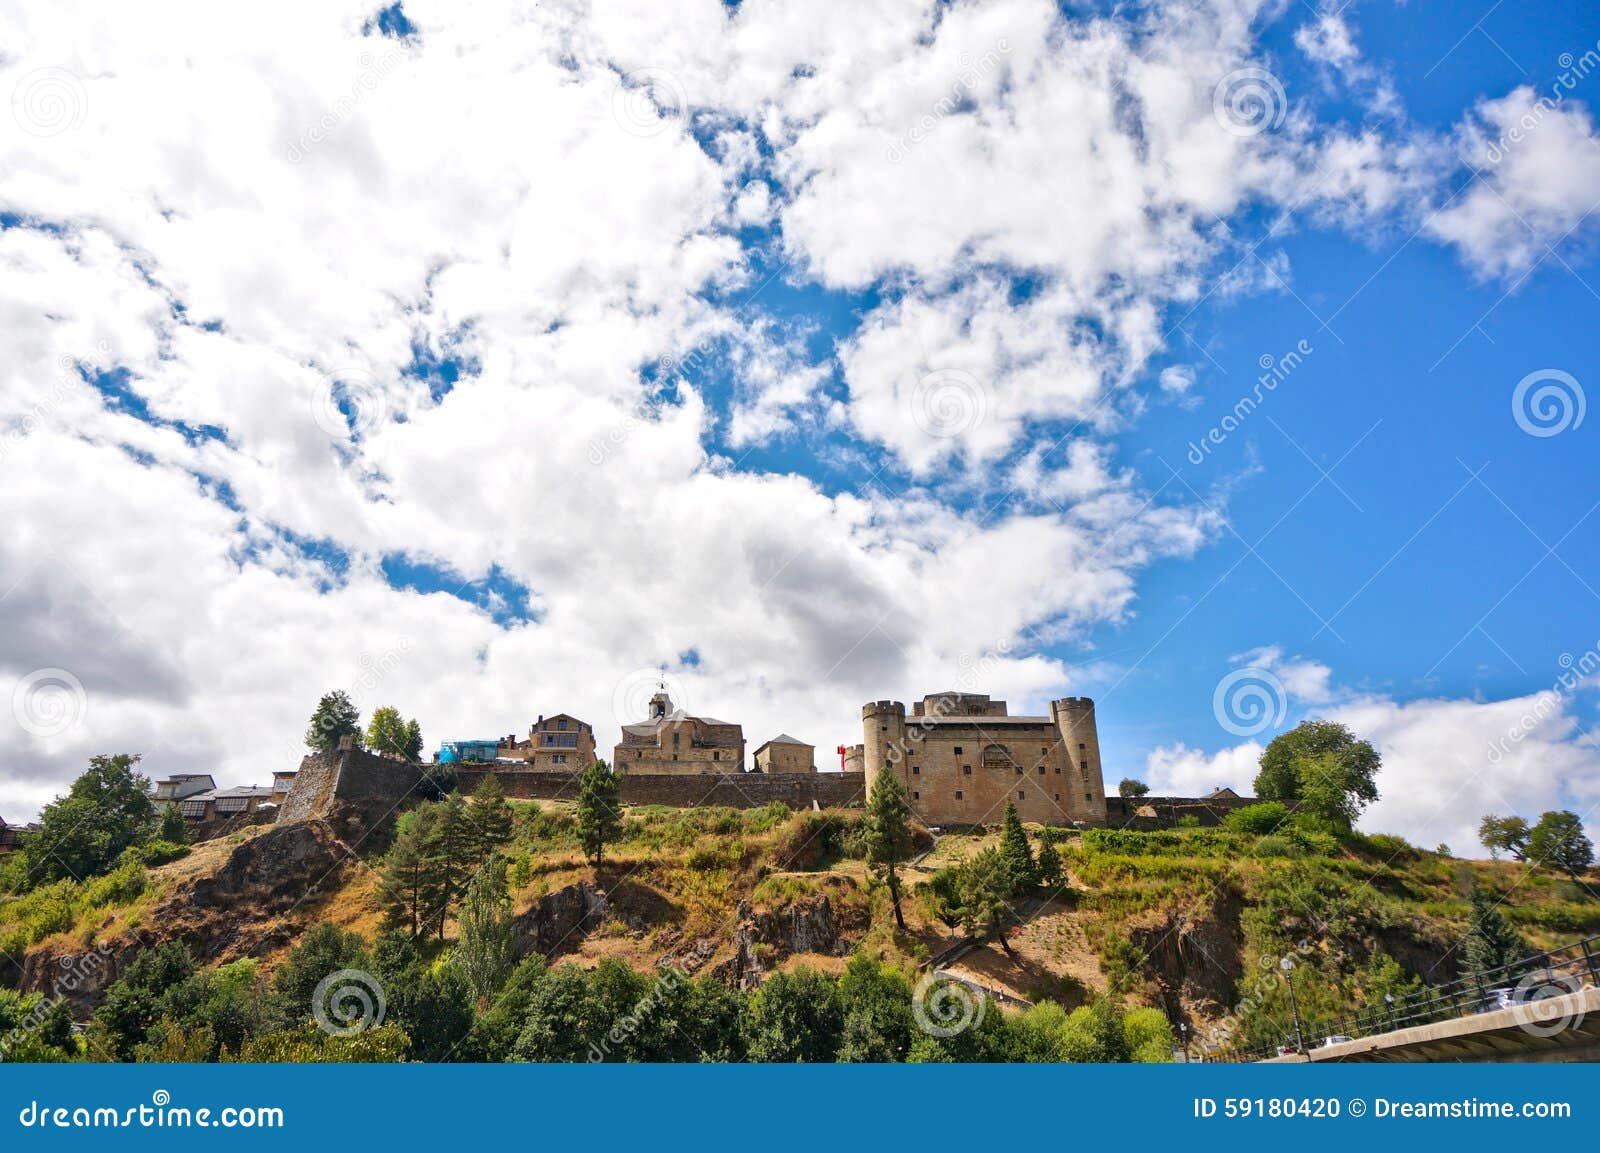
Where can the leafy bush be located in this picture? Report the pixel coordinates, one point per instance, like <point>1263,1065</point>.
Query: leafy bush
<point>156,853</point>
<point>1259,820</point>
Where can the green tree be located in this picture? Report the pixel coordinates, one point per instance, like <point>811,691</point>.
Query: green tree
<point>599,812</point>
<point>876,1002</point>
<point>1507,835</point>
<point>1324,766</point>
<point>1131,788</point>
<point>453,853</point>
<point>1490,941</point>
<point>491,816</point>
<point>1558,842</point>
<point>1147,1036</point>
<point>486,946</point>
<point>137,1000</point>
<point>1051,870</point>
<point>411,888</point>
<point>942,896</point>
<point>1094,1033</point>
<point>324,949</point>
<point>335,718</point>
<point>83,834</point>
<point>392,735</point>
<point>1017,853</point>
<point>795,1016</point>
<point>887,835</point>
<point>173,828</point>
<point>986,892</point>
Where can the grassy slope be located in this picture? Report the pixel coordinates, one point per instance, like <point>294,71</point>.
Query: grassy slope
<point>1179,919</point>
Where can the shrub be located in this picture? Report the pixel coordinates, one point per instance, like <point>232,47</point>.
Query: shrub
<point>160,852</point>
<point>1260,820</point>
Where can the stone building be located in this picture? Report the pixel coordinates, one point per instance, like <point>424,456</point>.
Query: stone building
<point>961,757</point>
<point>672,741</point>
<point>785,754</point>
<point>559,742</point>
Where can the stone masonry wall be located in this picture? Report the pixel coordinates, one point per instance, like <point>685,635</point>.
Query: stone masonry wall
<point>372,789</point>
<point>1147,813</point>
<point>685,790</point>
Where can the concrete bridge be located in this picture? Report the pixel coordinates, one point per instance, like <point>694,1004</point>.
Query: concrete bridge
<point>1561,1028</point>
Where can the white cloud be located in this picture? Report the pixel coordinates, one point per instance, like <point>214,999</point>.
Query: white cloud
<point>1538,169</point>
<point>1446,763</point>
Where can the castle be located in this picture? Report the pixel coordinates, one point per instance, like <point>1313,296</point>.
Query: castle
<point>961,757</point>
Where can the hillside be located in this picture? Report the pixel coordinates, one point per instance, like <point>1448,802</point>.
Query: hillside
<point>1184,920</point>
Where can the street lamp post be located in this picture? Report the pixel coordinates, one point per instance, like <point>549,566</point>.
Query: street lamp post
<point>1183,1031</point>
<point>1388,1000</point>
<point>1287,965</point>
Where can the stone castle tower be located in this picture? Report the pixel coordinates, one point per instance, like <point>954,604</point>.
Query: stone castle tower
<point>961,757</point>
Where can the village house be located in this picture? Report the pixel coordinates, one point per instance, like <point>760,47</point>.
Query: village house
<point>560,743</point>
<point>672,741</point>
<point>181,786</point>
<point>785,754</point>
<point>11,836</point>
<point>224,804</point>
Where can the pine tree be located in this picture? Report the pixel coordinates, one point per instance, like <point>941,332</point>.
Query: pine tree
<point>453,853</point>
<point>888,835</point>
<point>486,948</point>
<point>986,895</point>
<point>599,811</point>
<point>410,882</point>
<point>1049,865</point>
<point>490,816</point>
<point>1017,853</point>
<point>1490,942</point>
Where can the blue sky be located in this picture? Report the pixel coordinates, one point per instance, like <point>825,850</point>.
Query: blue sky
<point>486,364</point>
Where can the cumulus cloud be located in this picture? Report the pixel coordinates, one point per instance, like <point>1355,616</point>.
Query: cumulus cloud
<point>285,322</point>
<point>1446,762</point>
<point>1537,166</point>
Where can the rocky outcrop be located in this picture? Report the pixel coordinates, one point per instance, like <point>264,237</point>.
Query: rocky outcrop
<point>265,894</point>
<point>558,920</point>
<point>1194,956</point>
<point>806,925</point>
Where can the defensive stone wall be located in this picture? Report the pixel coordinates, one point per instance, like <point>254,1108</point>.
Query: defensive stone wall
<point>684,790</point>
<point>351,783</point>
<point>1147,813</point>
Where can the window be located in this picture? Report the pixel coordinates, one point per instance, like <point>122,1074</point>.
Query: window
<point>958,750</point>
<point>1081,746</point>
<point>674,756</point>
<point>561,724</point>
<point>559,740</point>
<point>1058,770</point>
<point>1044,752</point>
<point>194,808</point>
<point>675,739</point>
<point>916,796</point>
<point>917,769</point>
<point>1058,796</point>
<point>716,756</point>
<point>639,756</point>
<point>1041,770</point>
<point>1019,770</point>
<point>1019,794</point>
<point>958,794</point>
<point>966,770</point>
<point>1088,796</point>
<point>558,759</point>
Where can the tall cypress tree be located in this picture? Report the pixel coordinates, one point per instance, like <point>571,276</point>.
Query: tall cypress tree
<point>599,811</point>
<point>888,834</point>
<point>1016,852</point>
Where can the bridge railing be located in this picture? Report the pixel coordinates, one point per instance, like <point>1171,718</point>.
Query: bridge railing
<point>1563,970</point>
